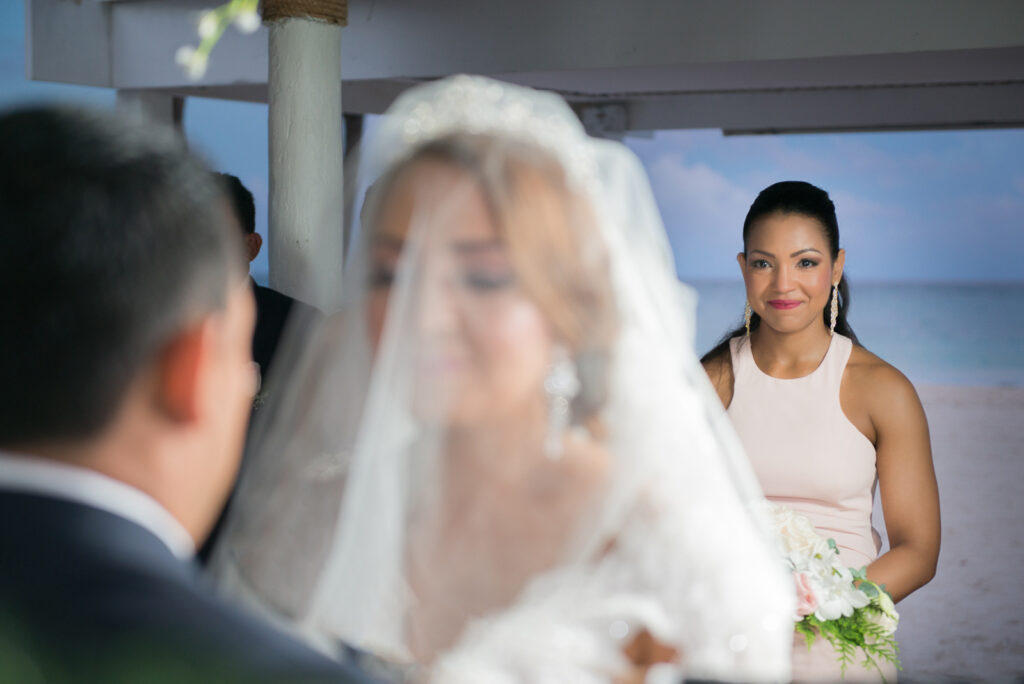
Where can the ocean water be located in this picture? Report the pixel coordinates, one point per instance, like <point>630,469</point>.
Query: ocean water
<point>936,333</point>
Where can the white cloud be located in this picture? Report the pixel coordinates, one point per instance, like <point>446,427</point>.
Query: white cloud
<point>703,213</point>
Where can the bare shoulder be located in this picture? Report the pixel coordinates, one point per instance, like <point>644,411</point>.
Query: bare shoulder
<point>719,370</point>
<point>879,385</point>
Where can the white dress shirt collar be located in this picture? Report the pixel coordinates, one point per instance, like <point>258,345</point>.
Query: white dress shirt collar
<point>81,485</point>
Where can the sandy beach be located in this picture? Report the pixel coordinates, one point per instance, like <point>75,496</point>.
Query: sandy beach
<point>968,623</point>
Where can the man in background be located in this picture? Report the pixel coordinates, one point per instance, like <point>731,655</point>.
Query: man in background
<point>273,309</point>
<point>125,385</point>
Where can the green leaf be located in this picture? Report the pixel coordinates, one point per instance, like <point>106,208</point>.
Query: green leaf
<point>853,634</point>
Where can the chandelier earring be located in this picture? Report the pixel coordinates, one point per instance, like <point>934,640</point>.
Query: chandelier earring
<point>835,310</point>
<point>562,385</point>
<point>747,313</point>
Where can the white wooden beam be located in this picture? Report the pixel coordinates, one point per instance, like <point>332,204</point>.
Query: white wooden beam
<point>68,42</point>
<point>671,63</point>
<point>854,109</point>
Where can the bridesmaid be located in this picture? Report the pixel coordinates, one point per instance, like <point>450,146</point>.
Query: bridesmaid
<point>824,420</point>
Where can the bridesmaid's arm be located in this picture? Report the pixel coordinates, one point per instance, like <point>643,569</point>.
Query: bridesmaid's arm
<point>906,478</point>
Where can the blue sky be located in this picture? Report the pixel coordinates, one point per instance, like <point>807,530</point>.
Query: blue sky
<point>933,206</point>
<point>943,205</point>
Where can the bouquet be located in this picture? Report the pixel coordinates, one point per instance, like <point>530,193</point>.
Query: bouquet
<point>835,602</point>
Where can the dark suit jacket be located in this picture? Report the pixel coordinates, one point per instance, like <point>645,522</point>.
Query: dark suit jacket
<point>86,596</point>
<point>273,311</point>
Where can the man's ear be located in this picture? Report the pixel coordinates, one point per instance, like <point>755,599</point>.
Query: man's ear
<point>253,242</point>
<point>181,371</point>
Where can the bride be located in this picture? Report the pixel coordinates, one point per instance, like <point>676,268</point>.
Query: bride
<point>501,461</point>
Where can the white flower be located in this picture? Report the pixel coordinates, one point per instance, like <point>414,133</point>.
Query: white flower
<point>192,61</point>
<point>248,22</point>
<point>197,68</point>
<point>888,619</point>
<point>887,623</point>
<point>184,55</point>
<point>797,533</point>
<point>207,25</point>
<point>884,601</point>
<point>837,597</point>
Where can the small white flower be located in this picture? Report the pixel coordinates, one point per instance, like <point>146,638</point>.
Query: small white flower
<point>884,601</point>
<point>184,56</point>
<point>888,619</point>
<point>248,22</point>
<point>887,623</point>
<point>207,25</point>
<point>797,533</point>
<point>189,59</point>
<point>197,68</point>
<point>837,597</point>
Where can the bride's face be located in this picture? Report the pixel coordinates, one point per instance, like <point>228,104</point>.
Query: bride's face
<point>479,347</point>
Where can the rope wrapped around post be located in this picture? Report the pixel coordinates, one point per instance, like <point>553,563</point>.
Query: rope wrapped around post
<point>329,11</point>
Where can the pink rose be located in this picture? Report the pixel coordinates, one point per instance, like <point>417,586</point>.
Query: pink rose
<point>806,603</point>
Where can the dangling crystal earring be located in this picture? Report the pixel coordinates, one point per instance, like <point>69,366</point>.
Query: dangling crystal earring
<point>746,318</point>
<point>835,309</point>
<point>561,384</point>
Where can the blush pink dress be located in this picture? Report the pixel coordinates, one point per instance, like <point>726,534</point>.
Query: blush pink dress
<point>808,456</point>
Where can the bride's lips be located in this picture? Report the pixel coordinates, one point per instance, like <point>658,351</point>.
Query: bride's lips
<point>784,304</point>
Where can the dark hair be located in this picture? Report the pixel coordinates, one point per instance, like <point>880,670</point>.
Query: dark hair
<point>241,200</point>
<point>795,197</point>
<point>112,234</point>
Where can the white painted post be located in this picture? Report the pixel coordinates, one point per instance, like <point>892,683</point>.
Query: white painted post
<point>306,185</point>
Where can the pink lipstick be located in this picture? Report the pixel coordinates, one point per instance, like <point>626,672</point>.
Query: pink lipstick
<point>784,304</point>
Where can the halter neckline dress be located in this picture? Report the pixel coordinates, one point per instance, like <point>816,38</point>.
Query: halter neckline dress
<point>808,456</point>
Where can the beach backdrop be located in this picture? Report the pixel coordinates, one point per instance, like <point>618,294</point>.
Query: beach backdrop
<point>964,334</point>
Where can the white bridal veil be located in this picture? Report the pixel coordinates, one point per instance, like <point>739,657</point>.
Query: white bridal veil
<point>501,460</point>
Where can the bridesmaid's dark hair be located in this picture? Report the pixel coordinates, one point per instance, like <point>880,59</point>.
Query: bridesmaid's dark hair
<point>795,197</point>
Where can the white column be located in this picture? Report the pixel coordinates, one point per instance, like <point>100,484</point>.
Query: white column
<point>306,188</point>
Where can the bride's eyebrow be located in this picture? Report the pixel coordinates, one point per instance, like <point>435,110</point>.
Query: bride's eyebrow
<point>472,247</point>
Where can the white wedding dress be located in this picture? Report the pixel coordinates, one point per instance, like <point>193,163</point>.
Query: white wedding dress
<point>376,512</point>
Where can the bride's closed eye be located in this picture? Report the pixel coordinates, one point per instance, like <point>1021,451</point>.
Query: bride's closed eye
<point>381,276</point>
<point>384,256</point>
<point>484,282</point>
<point>484,267</point>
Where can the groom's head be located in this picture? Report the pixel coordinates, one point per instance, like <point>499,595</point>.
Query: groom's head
<point>126,317</point>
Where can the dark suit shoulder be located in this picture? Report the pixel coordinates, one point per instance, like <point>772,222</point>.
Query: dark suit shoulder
<point>272,300</point>
<point>95,597</point>
<point>275,313</point>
